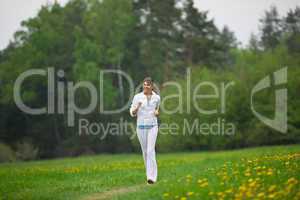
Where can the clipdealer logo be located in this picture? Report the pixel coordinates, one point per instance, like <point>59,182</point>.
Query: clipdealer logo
<point>56,93</point>
<point>279,122</point>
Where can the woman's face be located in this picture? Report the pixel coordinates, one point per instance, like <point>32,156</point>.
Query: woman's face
<point>147,87</point>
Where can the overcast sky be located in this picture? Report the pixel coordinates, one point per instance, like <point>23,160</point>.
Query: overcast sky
<point>240,15</point>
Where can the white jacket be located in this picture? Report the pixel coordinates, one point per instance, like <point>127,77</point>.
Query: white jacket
<point>145,114</point>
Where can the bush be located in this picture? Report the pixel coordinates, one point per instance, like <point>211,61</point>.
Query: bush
<point>26,151</point>
<point>6,153</point>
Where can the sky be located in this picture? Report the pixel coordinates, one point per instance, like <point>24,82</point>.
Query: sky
<point>241,16</point>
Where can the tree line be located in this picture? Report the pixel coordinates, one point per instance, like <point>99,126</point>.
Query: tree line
<point>161,39</point>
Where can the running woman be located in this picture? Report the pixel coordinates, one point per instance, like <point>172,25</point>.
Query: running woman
<point>145,105</point>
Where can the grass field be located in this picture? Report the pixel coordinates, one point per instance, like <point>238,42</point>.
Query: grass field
<point>256,173</point>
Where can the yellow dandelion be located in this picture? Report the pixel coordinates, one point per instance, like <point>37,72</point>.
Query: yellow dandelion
<point>269,173</point>
<point>261,194</point>
<point>271,196</point>
<point>252,184</point>
<point>247,174</point>
<point>188,176</point>
<point>166,194</point>
<point>292,181</point>
<point>242,188</point>
<point>189,193</point>
<point>229,191</point>
<point>204,184</point>
<point>249,194</point>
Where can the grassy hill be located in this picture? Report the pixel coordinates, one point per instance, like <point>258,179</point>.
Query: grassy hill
<point>256,173</point>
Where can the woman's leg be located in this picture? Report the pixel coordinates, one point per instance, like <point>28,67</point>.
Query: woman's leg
<point>151,166</point>
<point>142,136</point>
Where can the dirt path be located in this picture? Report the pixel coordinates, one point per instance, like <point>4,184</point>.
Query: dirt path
<point>114,192</point>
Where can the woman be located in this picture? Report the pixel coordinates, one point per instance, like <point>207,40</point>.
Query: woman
<point>145,105</point>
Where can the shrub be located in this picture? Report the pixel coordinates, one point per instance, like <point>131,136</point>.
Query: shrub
<point>26,151</point>
<point>6,153</point>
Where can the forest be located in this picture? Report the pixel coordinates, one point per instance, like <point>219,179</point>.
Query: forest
<point>171,41</point>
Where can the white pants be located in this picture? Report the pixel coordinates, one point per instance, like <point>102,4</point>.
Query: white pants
<point>147,139</point>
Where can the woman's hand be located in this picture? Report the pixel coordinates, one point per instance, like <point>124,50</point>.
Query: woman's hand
<point>137,108</point>
<point>156,112</point>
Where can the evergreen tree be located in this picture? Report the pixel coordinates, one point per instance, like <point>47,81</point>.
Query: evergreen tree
<point>271,29</point>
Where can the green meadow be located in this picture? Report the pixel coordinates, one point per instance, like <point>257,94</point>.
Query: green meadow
<point>254,173</point>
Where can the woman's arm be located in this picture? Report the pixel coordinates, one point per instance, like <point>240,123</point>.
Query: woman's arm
<point>135,105</point>
<point>156,112</point>
<point>134,111</point>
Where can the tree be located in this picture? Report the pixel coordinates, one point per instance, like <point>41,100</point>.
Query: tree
<point>271,29</point>
<point>158,32</point>
<point>253,43</point>
<point>291,24</point>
